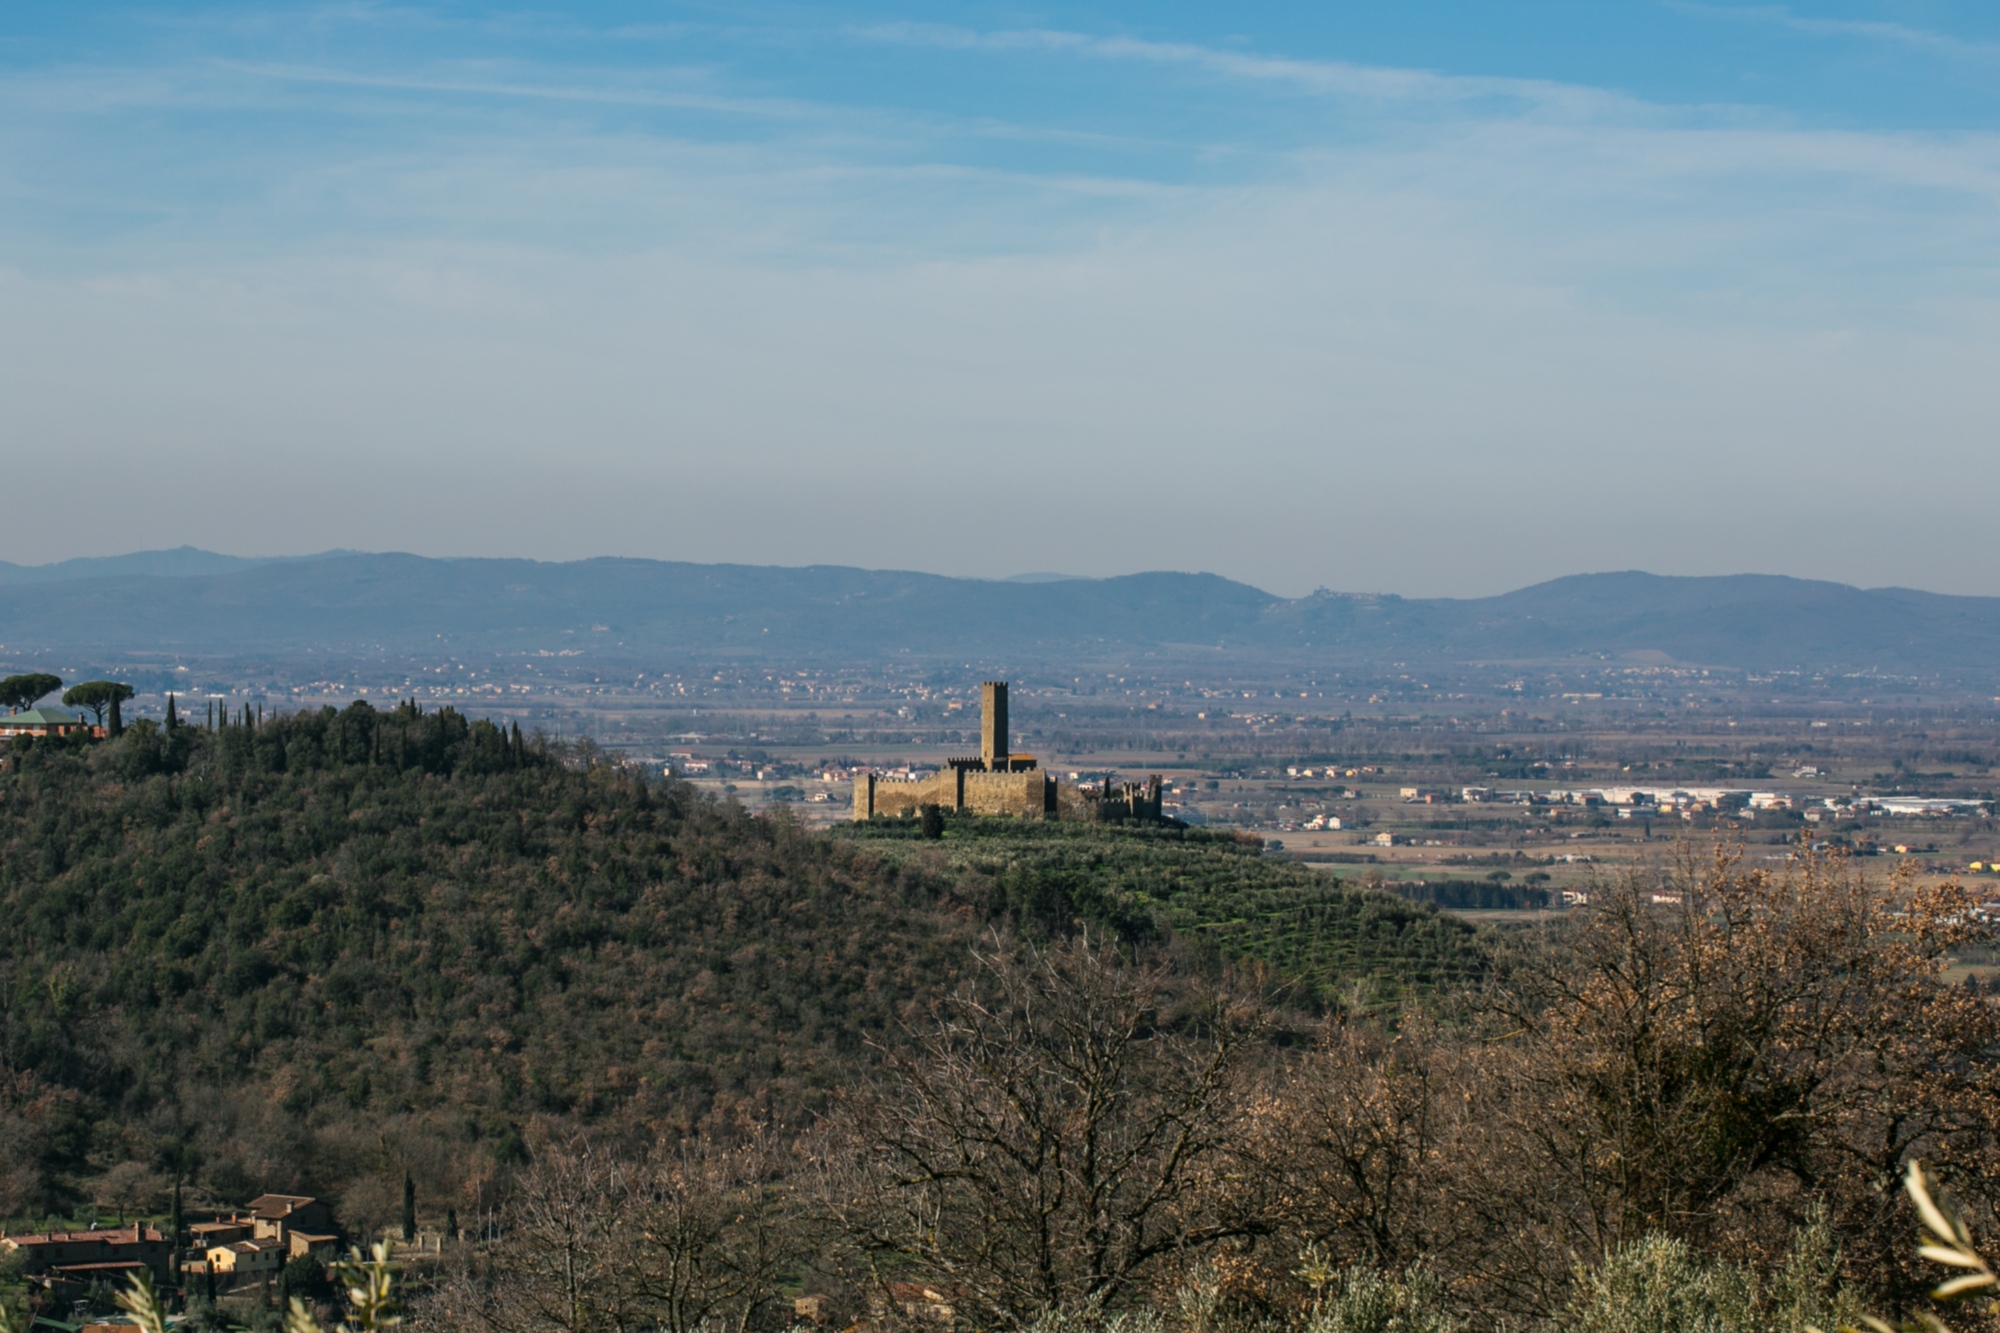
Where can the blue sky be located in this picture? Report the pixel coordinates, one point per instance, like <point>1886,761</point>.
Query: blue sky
<point>1421,297</point>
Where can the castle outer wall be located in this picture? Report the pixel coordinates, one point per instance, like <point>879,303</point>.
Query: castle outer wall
<point>1029,795</point>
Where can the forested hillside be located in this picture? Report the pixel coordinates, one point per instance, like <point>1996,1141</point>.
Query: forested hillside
<point>321,951</point>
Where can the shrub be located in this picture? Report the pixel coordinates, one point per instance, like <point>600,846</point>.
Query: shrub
<point>1657,1285</point>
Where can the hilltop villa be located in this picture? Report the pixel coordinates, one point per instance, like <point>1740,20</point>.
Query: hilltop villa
<point>46,722</point>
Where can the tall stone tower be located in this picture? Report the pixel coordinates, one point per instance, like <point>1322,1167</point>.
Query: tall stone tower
<point>993,725</point>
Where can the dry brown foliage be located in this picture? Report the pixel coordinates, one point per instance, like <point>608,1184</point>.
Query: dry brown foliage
<point>697,1236</point>
<point>1064,1129</point>
<point>1708,1054</point>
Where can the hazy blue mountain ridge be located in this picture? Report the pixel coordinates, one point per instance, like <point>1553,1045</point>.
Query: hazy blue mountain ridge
<point>180,562</point>
<point>197,603</point>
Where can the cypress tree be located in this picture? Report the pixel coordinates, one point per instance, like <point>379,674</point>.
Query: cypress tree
<point>451,1223</point>
<point>174,1221</point>
<point>173,718</point>
<point>409,1208</point>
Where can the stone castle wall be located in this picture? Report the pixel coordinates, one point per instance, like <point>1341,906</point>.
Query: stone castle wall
<point>1139,801</point>
<point>1029,795</point>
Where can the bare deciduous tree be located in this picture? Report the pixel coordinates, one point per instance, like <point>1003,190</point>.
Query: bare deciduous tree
<point>714,1231</point>
<point>1358,1139</point>
<point>699,1236</point>
<point>1064,1126</point>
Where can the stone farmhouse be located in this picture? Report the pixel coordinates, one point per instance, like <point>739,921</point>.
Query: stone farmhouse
<point>85,1256</point>
<point>999,782</point>
<point>262,1237</point>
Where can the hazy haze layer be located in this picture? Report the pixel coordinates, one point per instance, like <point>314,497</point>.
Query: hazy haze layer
<point>1443,303</point>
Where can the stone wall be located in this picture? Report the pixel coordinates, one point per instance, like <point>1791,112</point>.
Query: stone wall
<point>1114,803</point>
<point>1029,795</point>
<point>888,796</point>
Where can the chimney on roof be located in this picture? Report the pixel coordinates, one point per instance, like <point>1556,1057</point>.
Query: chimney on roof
<point>993,725</point>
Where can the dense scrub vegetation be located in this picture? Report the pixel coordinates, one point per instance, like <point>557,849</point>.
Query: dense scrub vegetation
<point>319,951</point>
<point>1686,1110</point>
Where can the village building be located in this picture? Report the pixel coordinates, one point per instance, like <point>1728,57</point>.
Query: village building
<point>262,1237</point>
<point>247,1259</point>
<point>208,1235</point>
<point>115,1253</point>
<point>280,1216</point>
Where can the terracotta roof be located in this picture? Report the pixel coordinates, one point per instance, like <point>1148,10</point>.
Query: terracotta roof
<point>274,1206</point>
<point>131,1235</point>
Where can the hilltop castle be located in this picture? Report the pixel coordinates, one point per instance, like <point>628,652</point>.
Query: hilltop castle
<point>998,782</point>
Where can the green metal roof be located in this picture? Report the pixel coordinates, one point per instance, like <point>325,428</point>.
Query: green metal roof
<point>42,717</point>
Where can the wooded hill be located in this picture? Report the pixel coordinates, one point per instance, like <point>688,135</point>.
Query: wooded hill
<point>319,952</point>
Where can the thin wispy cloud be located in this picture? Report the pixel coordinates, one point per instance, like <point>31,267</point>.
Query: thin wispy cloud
<point>1871,30</point>
<point>1322,77</point>
<point>599,93</point>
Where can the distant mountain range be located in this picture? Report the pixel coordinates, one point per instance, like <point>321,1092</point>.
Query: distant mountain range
<point>180,562</point>
<point>198,603</point>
